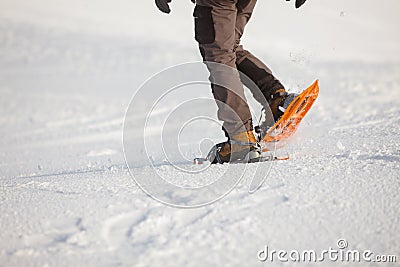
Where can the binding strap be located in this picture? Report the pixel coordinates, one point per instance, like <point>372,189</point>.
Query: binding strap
<point>243,143</point>
<point>277,94</point>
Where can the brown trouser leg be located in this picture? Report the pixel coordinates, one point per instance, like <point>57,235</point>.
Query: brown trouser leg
<point>219,25</point>
<point>249,64</point>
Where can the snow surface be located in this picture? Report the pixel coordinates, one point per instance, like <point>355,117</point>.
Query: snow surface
<point>68,71</point>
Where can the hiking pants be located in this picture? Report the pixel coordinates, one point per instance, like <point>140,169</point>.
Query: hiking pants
<point>219,26</point>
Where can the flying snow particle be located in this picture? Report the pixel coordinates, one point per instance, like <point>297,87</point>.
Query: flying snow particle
<point>340,145</point>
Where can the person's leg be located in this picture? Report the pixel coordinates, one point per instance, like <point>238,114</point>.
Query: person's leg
<point>215,23</point>
<point>249,64</point>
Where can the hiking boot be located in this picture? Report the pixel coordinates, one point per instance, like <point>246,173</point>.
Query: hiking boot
<point>242,147</point>
<point>278,103</point>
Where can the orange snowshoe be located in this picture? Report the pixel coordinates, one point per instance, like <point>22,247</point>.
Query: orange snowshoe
<point>287,125</point>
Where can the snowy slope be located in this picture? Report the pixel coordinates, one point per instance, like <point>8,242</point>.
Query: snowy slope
<point>68,72</point>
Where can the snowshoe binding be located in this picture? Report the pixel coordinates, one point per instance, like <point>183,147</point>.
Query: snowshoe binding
<point>242,147</point>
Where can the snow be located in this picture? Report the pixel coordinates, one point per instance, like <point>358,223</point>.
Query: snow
<point>68,72</point>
